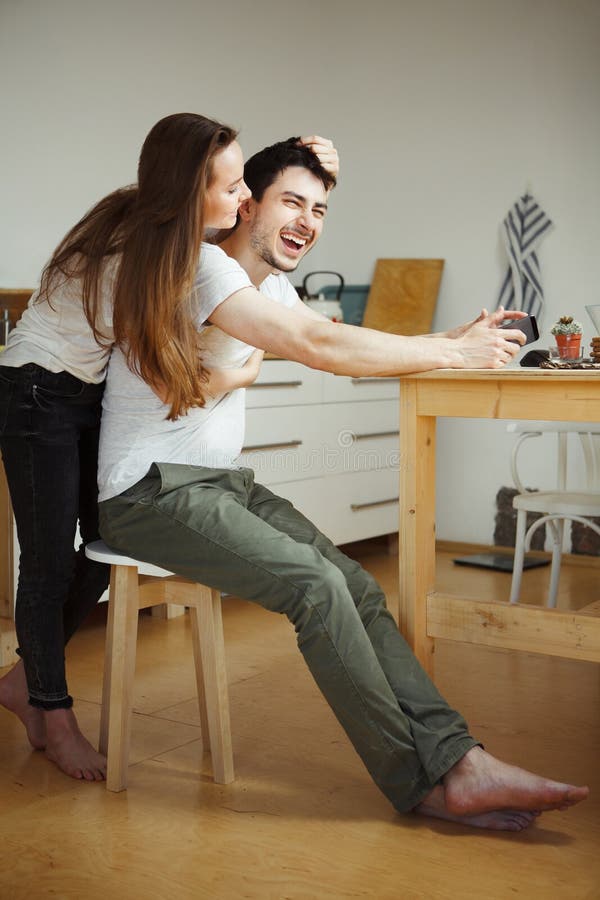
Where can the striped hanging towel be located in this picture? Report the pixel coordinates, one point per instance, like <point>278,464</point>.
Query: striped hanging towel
<point>523,229</point>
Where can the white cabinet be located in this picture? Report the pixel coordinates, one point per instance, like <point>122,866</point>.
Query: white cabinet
<point>328,444</point>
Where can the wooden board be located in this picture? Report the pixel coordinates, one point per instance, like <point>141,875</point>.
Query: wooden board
<point>403,295</point>
<point>514,626</point>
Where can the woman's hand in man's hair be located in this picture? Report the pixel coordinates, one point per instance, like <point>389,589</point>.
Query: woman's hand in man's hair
<point>324,149</point>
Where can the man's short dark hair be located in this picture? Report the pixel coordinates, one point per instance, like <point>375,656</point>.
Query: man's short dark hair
<point>262,169</point>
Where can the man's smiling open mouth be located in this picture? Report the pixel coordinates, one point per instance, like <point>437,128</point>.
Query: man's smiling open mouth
<point>292,241</point>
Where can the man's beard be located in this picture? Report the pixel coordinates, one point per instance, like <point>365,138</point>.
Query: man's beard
<point>260,245</point>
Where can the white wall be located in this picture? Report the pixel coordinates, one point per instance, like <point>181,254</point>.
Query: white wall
<point>443,112</point>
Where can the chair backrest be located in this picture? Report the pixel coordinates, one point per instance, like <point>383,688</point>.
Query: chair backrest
<point>590,442</point>
<point>589,437</point>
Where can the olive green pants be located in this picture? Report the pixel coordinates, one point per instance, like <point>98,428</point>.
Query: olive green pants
<point>217,527</point>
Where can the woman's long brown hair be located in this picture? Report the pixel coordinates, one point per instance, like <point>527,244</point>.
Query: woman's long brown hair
<point>156,226</point>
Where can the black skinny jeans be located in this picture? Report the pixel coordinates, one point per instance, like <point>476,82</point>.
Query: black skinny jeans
<point>49,430</point>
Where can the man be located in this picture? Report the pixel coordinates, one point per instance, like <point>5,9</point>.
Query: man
<point>171,494</point>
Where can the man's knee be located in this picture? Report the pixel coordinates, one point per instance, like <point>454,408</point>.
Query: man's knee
<point>320,593</point>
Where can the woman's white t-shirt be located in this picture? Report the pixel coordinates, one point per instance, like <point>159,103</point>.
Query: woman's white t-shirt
<point>56,335</point>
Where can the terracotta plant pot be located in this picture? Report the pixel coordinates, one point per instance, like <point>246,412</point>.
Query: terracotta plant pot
<point>569,345</point>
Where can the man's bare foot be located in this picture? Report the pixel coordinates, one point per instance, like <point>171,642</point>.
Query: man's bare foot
<point>15,697</point>
<point>479,783</point>
<point>69,749</point>
<point>495,820</point>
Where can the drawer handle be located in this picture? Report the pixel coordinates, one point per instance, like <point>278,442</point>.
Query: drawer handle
<point>374,380</point>
<point>355,507</point>
<point>274,384</point>
<point>375,434</point>
<point>276,446</point>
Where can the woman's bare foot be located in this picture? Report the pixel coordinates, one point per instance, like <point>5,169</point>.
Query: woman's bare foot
<point>479,783</point>
<point>15,697</point>
<point>495,820</point>
<point>69,749</point>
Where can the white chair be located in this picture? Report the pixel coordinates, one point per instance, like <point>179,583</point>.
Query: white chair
<point>560,504</point>
<point>135,585</point>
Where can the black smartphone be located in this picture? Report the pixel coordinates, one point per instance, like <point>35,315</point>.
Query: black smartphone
<point>528,326</point>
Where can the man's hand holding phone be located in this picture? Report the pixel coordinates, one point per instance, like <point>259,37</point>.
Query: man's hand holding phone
<point>527,325</point>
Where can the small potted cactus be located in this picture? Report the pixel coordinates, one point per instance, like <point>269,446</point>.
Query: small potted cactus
<point>567,332</point>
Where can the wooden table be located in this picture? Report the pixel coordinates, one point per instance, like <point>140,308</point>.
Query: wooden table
<point>536,394</point>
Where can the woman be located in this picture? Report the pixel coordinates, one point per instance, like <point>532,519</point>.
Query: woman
<point>124,270</point>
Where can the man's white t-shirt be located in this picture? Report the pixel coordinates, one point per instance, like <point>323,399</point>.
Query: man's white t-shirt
<point>135,431</point>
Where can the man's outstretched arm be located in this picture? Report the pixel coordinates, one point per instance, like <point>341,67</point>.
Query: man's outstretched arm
<point>354,351</point>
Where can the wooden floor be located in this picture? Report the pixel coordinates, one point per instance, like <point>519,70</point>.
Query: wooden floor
<point>302,819</point>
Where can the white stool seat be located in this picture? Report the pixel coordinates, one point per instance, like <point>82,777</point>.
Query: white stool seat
<point>101,552</point>
<point>136,585</point>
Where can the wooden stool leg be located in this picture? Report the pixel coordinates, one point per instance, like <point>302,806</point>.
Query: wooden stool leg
<point>200,687</point>
<point>209,654</point>
<point>119,670</point>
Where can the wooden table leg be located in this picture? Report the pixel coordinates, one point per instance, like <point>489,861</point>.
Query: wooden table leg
<point>417,523</point>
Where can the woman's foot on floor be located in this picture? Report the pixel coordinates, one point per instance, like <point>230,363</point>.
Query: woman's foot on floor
<point>15,697</point>
<point>69,749</point>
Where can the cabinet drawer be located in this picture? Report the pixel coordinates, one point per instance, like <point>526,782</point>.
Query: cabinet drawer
<point>283,383</point>
<point>350,506</point>
<point>308,441</point>
<point>364,435</point>
<point>341,388</point>
<point>279,443</point>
